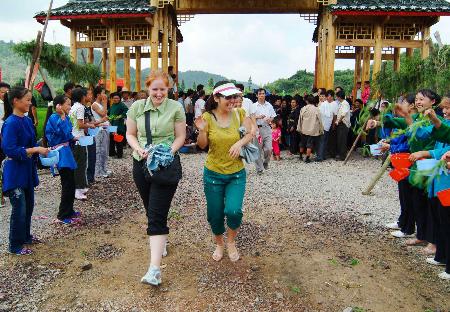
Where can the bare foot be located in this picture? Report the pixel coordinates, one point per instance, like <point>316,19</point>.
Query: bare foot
<point>429,250</point>
<point>415,242</point>
<point>218,253</point>
<point>233,253</point>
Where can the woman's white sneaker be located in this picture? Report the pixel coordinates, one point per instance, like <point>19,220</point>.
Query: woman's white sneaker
<point>434,262</point>
<point>152,277</point>
<point>80,195</point>
<point>444,276</point>
<point>392,226</point>
<point>400,234</point>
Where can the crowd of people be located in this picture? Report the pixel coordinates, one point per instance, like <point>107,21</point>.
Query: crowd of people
<point>158,122</point>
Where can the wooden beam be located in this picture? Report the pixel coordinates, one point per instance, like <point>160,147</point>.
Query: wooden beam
<point>377,50</point>
<point>245,6</point>
<point>133,55</point>
<point>385,43</point>
<point>173,48</point>
<point>104,62</point>
<point>92,44</point>
<point>73,45</point>
<point>165,40</point>
<point>352,56</point>
<point>138,69</point>
<point>91,56</point>
<point>322,56</point>
<point>112,58</point>
<point>316,66</point>
<point>366,64</point>
<point>126,68</point>
<point>154,43</point>
<point>426,40</point>
<point>149,20</point>
<point>66,23</point>
<point>397,59</point>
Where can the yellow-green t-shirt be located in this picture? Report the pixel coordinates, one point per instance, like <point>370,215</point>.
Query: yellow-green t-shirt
<point>162,121</point>
<point>220,141</point>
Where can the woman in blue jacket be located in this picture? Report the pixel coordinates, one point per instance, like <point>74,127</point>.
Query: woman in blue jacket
<point>59,136</point>
<point>19,169</point>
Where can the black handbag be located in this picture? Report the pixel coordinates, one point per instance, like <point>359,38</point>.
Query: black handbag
<point>170,175</point>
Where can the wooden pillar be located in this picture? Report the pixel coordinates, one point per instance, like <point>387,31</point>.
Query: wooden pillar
<point>397,59</point>
<point>426,42</point>
<point>138,69</point>
<point>331,49</point>
<point>165,40</point>
<point>409,52</point>
<point>104,62</point>
<point>126,68</point>
<point>112,58</point>
<point>321,70</point>
<point>357,71</point>
<point>316,65</point>
<point>366,65</point>
<point>154,44</point>
<point>91,55</point>
<point>73,45</point>
<point>377,50</point>
<point>173,48</point>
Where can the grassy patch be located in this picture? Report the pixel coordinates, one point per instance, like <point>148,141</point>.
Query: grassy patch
<point>295,289</point>
<point>354,262</point>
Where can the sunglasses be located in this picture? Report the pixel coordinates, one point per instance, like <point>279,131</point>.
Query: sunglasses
<point>232,97</point>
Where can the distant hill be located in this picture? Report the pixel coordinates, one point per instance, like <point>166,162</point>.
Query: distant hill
<point>13,69</point>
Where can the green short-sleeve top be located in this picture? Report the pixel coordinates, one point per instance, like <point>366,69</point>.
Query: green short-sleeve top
<point>221,139</point>
<point>162,121</point>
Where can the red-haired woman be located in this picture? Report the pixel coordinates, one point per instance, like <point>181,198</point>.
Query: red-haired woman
<point>166,124</point>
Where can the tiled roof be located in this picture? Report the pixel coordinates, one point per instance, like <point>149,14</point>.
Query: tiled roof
<point>392,5</point>
<point>89,7</point>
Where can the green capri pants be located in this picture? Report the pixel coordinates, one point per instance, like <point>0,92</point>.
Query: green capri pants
<point>224,198</point>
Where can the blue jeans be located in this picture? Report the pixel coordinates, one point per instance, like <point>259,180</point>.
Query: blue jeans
<point>224,198</point>
<point>22,202</point>
<point>323,145</point>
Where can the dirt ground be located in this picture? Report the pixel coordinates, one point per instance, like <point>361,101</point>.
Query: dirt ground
<point>288,263</point>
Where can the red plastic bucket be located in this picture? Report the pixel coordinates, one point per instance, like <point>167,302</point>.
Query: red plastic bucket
<point>399,174</point>
<point>401,160</point>
<point>444,197</point>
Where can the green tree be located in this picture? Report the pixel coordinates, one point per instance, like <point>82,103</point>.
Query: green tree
<point>194,86</point>
<point>210,84</point>
<point>182,86</point>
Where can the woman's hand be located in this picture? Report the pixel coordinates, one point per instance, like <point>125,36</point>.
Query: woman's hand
<point>142,153</point>
<point>235,150</point>
<point>418,155</point>
<point>42,150</point>
<point>446,156</point>
<point>201,124</point>
<point>385,147</point>
<point>431,114</point>
<point>371,124</point>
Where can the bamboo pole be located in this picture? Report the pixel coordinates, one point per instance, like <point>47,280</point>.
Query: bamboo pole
<point>356,142</point>
<point>376,178</point>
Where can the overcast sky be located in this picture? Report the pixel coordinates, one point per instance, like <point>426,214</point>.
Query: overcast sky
<point>266,47</point>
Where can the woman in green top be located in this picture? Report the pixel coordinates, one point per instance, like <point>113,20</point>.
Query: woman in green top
<point>167,126</point>
<point>224,173</point>
<point>117,114</point>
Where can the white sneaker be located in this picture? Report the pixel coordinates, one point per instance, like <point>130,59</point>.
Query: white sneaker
<point>392,226</point>
<point>434,262</point>
<point>80,195</point>
<point>152,277</point>
<point>444,276</point>
<point>400,234</point>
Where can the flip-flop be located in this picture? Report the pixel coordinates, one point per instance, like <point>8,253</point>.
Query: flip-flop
<point>233,253</point>
<point>218,253</point>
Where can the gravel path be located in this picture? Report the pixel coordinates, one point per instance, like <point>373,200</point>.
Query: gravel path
<point>322,191</point>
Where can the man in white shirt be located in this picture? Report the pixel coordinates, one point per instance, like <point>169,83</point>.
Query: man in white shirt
<point>199,106</point>
<point>343,124</point>
<point>264,115</point>
<point>327,112</point>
